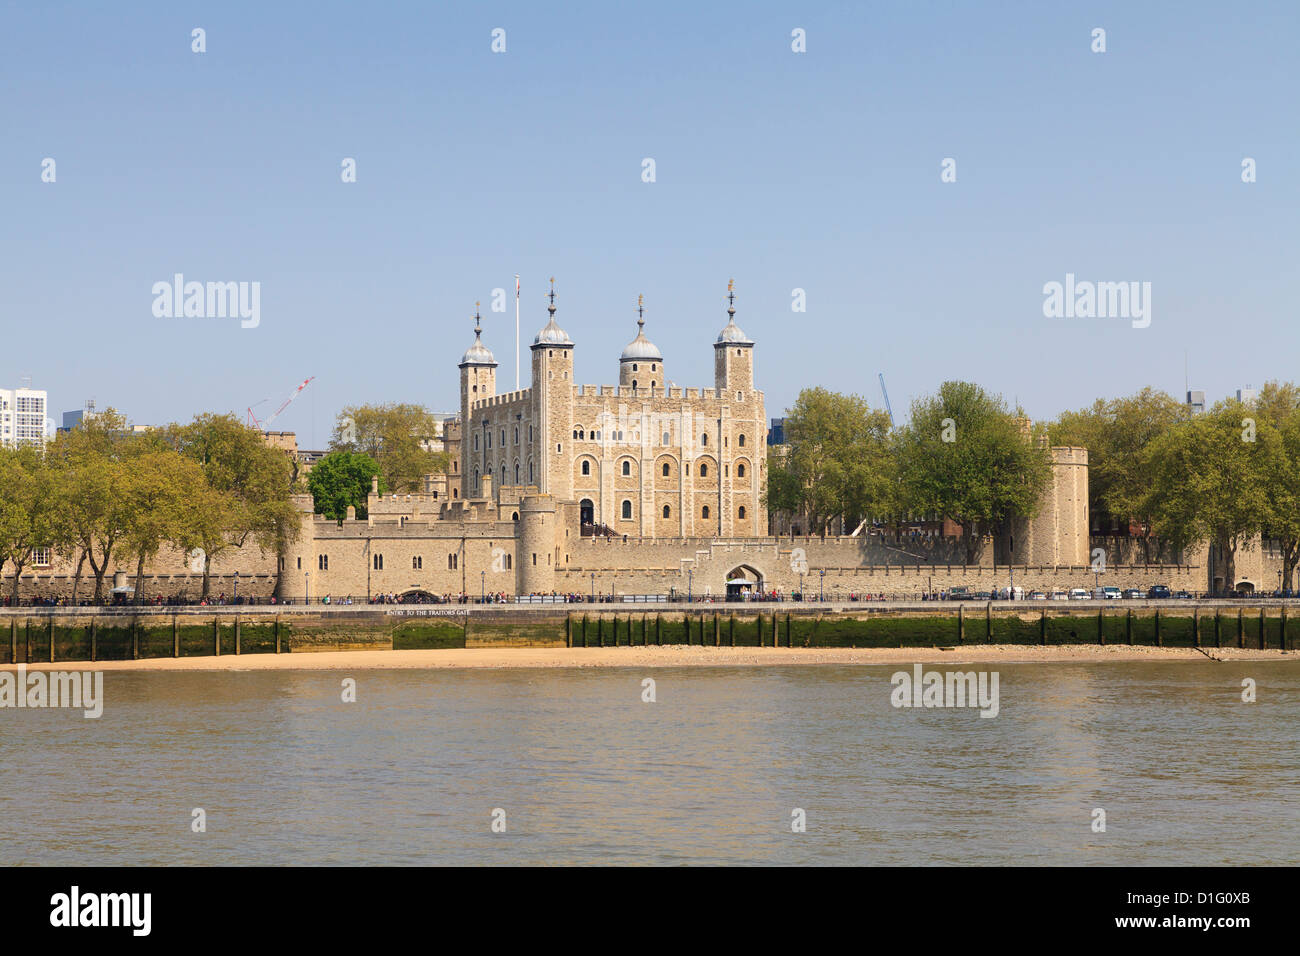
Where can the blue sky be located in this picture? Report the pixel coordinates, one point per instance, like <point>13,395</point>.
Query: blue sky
<point>817,171</point>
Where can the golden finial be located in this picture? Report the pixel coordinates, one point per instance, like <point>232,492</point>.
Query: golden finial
<point>731,285</point>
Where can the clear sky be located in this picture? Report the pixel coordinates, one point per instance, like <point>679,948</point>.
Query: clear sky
<point>817,171</point>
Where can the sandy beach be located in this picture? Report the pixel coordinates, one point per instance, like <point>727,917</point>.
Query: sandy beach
<point>672,656</point>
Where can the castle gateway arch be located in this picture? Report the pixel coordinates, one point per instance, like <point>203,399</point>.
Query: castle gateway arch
<point>744,581</point>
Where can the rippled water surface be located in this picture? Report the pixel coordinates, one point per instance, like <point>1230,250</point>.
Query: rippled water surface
<point>588,773</point>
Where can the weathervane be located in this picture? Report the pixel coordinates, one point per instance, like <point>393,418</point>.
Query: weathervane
<point>640,311</point>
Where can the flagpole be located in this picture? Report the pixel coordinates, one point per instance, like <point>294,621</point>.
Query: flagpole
<point>516,331</point>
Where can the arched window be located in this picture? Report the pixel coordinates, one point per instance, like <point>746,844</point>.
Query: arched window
<point>530,471</point>
<point>706,511</point>
<point>516,434</point>
<point>514,516</point>
<point>667,512</point>
<point>634,383</point>
<point>653,367</point>
<point>586,467</point>
<point>742,511</point>
<point>652,383</point>
<point>516,473</point>
<point>627,510</point>
<point>740,471</point>
<point>704,471</point>
<point>667,438</point>
<point>476,443</point>
<point>634,367</point>
<point>704,439</point>
<point>627,467</point>
<point>667,470</point>
<point>742,439</point>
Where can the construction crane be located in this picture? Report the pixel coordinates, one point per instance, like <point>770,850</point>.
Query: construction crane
<point>263,425</point>
<point>886,394</point>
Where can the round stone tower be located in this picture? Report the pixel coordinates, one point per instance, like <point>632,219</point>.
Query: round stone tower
<point>535,545</point>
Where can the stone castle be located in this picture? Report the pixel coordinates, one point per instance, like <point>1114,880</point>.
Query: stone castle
<point>639,488</point>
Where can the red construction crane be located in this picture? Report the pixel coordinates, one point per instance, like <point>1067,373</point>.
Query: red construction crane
<point>252,419</point>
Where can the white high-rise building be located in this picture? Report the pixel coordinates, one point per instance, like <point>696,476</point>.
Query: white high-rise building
<point>22,416</point>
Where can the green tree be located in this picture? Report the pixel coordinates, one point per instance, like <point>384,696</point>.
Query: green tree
<point>342,479</point>
<point>1208,480</point>
<point>89,483</point>
<point>397,437</point>
<point>1117,433</point>
<point>157,486</point>
<point>26,508</point>
<point>1278,412</point>
<point>836,463</point>
<point>964,457</point>
<point>248,490</point>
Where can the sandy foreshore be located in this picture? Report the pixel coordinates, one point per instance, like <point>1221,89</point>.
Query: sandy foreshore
<point>671,656</point>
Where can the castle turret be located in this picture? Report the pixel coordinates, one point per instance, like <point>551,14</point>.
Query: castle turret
<point>535,545</point>
<point>478,381</point>
<point>552,404</point>
<point>733,354</point>
<point>641,366</point>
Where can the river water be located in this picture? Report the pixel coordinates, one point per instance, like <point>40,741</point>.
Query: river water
<point>586,772</point>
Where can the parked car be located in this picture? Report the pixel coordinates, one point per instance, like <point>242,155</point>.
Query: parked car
<point>981,596</point>
<point>1183,595</point>
<point>1133,594</point>
<point>1059,595</point>
<point>1159,591</point>
<point>1037,596</point>
<point>1079,594</point>
<point>959,594</point>
<point>1108,593</point>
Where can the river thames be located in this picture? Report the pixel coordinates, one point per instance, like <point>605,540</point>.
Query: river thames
<point>713,771</point>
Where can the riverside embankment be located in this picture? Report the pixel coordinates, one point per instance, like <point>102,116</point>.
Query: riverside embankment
<point>44,635</point>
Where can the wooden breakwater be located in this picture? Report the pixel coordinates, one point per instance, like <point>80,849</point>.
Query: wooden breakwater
<point>49,635</point>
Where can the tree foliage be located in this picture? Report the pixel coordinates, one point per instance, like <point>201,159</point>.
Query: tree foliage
<point>836,462</point>
<point>342,479</point>
<point>398,437</point>
<point>963,456</point>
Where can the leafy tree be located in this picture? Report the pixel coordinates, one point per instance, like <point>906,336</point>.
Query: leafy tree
<point>26,508</point>
<point>963,456</point>
<point>1278,412</point>
<point>397,437</point>
<point>247,489</point>
<point>837,461</point>
<point>342,479</point>
<point>158,484</point>
<point>1208,481</point>
<point>89,486</point>
<point>1116,433</point>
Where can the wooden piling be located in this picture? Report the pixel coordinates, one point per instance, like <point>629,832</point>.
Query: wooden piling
<point>717,630</point>
<point>1241,627</point>
<point>1263,642</point>
<point>176,637</point>
<point>1101,628</point>
<point>1159,639</point>
<point>216,637</point>
<point>1196,627</point>
<point>50,630</point>
<point>237,647</point>
<point>94,642</point>
<point>1042,628</point>
<point>135,640</point>
<point>961,625</point>
<point>13,640</point>
<point>1128,626</point>
<point>731,631</point>
<point>277,634</point>
<point>568,629</point>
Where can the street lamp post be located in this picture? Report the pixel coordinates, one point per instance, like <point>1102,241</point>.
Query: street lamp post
<point>690,585</point>
<point>235,598</point>
<point>593,587</point>
<point>482,590</point>
<point>306,587</point>
<point>821,595</point>
<point>801,597</point>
